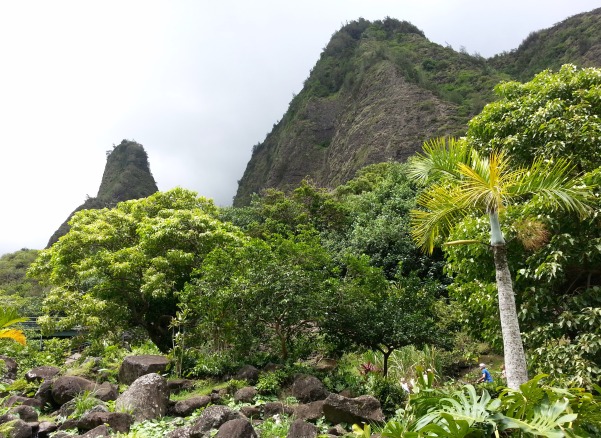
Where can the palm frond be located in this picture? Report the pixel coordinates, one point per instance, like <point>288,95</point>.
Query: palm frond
<point>439,159</point>
<point>441,213</point>
<point>554,184</point>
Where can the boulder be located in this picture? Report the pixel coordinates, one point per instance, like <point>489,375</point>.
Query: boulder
<point>66,388</point>
<point>25,413</point>
<point>100,431</point>
<point>134,367</point>
<point>8,417</point>
<point>178,385</point>
<point>363,409</point>
<point>106,391</point>
<point>11,368</point>
<point>248,373</point>
<point>41,374</point>
<point>302,429</point>
<point>44,394</point>
<point>183,408</point>
<point>326,365</point>
<point>276,408</point>
<point>118,421</point>
<point>17,399</point>
<point>252,412</point>
<point>16,429</point>
<point>45,428</point>
<point>180,432</point>
<point>147,397</point>
<point>308,388</point>
<point>212,418</point>
<point>310,411</point>
<point>245,395</point>
<point>238,428</point>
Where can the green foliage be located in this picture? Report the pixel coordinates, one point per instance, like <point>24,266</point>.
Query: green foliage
<point>388,391</point>
<point>123,267</point>
<point>83,402</point>
<point>16,290</point>
<point>37,352</point>
<point>270,383</point>
<point>555,115</point>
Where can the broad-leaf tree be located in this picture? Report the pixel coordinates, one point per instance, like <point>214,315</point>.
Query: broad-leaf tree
<point>123,267</point>
<point>370,312</point>
<point>462,182</point>
<point>267,293</point>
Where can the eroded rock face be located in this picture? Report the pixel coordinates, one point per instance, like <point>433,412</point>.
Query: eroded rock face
<point>147,398</point>
<point>363,409</point>
<point>134,367</point>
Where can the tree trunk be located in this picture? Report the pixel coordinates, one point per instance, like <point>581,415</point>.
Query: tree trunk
<point>515,359</point>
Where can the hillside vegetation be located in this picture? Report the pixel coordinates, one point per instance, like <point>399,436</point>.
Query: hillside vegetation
<point>380,89</point>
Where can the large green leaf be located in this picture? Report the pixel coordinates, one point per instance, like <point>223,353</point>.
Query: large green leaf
<point>546,420</point>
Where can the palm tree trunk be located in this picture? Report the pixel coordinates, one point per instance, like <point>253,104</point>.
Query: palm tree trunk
<point>515,359</point>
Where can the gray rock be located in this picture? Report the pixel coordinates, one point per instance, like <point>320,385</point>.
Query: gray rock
<point>65,388</point>
<point>302,429</point>
<point>248,373</point>
<point>118,421</point>
<point>183,408</point>
<point>134,367</point>
<point>178,385</point>
<point>212,418</point>
<point>106,391</point>
<point>363,409</point>
<point>100,431</point>
<point>277,408</point>
<point>25,413</point>
<point>310,411</point>
<point>308,388</point>
<point>147,398</point>
<point>238,428</point>
<point>245,395</point>
<point>11,368</point>
<point>41,374</point>
<point>17,429</point>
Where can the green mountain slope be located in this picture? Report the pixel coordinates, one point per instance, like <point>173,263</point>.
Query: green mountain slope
<point>380,89</point>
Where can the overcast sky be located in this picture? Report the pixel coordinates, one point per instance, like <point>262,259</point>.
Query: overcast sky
<point>197,83</point>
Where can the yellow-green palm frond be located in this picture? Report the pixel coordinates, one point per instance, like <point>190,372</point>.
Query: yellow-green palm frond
<point>554,184</point>
<point>439,159</point>
<point>485,181</point>
<point>9,316</point>
<point>14,334</point>
<point>442,211</point>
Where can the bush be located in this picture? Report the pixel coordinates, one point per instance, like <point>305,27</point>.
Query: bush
<point>270,383</point>
<point>388,392</point>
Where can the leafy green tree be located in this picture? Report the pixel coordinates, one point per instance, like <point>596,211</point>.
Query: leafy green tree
<point>278,287</point>
<point>121,268</point>
<point>555,115</point>
<point>464,183</point>
<point>370,312</point>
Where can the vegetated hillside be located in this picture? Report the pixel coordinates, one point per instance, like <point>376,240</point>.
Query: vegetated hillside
<point>126,176</point>
<point>380,89</point>
<point>576,40</point>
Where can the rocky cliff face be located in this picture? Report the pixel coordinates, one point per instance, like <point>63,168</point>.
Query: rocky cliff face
<point>126,176</point>
<point>380,89</point>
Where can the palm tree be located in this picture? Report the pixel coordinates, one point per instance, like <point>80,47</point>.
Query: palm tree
<point>465,183</point>
<point>8,318</point>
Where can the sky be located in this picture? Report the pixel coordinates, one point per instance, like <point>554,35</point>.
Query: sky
<point>197,83</point>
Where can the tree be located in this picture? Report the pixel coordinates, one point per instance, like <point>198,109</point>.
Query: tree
<point>8,318</point>
<point>464,183</point>
<point>371,312</point>
<point>279,287</point>
<point>123,267</point>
